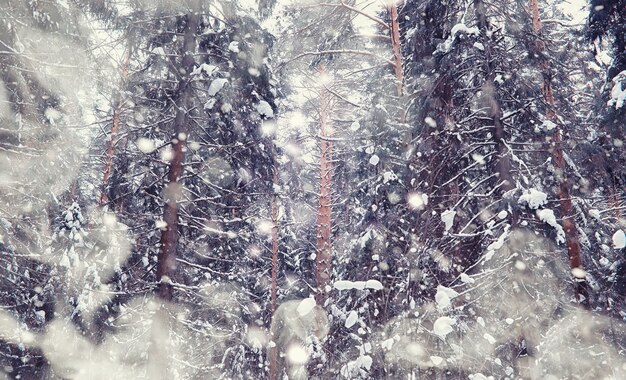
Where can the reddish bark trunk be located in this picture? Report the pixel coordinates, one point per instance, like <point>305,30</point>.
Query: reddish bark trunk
<point>324,222</point>
<point>396,47</point>
<point>166,262</point>
<point>115,128</point>
<point>567,208</point>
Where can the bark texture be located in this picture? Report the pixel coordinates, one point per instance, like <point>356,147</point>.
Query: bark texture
<point>166,265</point>
<point>565,199</point>
<point>324,221</point>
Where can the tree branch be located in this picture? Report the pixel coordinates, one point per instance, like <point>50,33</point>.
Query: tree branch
<point>347,51</point>
<point>342,4</point>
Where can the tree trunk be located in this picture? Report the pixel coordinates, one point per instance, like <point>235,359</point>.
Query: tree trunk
<point>324,222</point>
<point>115,128</point>
<point>503,165</point>
<point>397,53</point>
<point>166,265</point>
<point>273,351</point>
<point>567,208</point>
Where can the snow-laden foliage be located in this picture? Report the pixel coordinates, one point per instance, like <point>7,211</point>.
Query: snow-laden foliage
<point>280,189</point>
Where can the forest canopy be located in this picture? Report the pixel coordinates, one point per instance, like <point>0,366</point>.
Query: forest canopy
<point>312,189</point>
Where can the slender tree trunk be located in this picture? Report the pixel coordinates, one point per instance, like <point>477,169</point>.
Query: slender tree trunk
<point>162,344</point>
<point>503,165</point>
<point>115,128</point>
<point>615,201</point>
<point>273,352</point>
<point>398,61</point>
<point>397,53</point>
<point>324,222</point>
<point>567,208</point>
<point>275,206</point>
<point>166,264</point>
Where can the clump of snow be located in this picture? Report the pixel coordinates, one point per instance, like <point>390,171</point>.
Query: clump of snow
<point>462,28</point>
<point>467,279</point>
<point>444,296</point>
<point>352,318</point>
<point>619,239</point>
<point>226,108</point>
<point>443,326</point>
<point>53,115</point>
<point>387,344</point>
<point>446,46</point>
<point>533,198</point>
<point>264,226</point>
<point>234,46</point>
<point>548,125</point>
<point>374,160</point>
<point>264,109</point>
<point>436,360</point>
<point>502,214</point>
<point>296,354</point>
<point>417,201</point>
<point>347,285</point>
<point>604,262</point>
<point>618,92</point>
<point>145,145</point>
<point>447,217</point>
<point>210,103</point>
<point>167,154</point>
<point>256,337</point>
<point>269,127</point>
<point>430,122</point>
<point>305,306</point>
<point>110,220</point>
<point>216,85</point>
<point>204,68</point>
<point>373,284</point>
<point>579,273</point>
<point>481,321</point>
<point>478,158</point>
<point>493,247</point>
<point>489,338</point>
<point>547,216</point>
<point>479,46</point>
<point>158,51</point>
<point>358,368</point>
<point>358,285</point>
<point>389,176</point>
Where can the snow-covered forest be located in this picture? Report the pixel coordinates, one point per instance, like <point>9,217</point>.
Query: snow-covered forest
<point>312,189</point>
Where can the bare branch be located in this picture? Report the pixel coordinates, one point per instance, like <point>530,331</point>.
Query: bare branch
<point>346,51</point>
<point>342,4</point>
<point>339,96</point>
